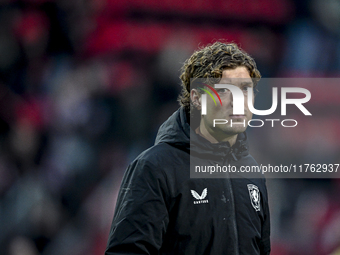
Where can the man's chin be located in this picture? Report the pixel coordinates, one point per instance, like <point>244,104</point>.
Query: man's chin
<point>235,129</point>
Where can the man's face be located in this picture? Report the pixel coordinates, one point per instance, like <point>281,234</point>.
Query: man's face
<point>238,77</point>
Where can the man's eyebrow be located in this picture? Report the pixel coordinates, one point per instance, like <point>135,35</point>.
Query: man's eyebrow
<point>225,80</point>
<point>246,83</point>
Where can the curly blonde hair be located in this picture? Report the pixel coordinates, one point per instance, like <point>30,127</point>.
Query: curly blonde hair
<point>209,62</point>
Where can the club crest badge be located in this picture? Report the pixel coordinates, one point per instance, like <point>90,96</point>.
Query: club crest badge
<point>254,194</point>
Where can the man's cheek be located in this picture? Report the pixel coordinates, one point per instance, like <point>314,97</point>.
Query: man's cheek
<point>250,115</point>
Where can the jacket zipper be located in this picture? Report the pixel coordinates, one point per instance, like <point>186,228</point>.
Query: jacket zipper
<point>233,213</point>
<point>232,154</point>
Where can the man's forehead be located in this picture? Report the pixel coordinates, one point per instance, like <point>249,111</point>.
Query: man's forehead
<point>236,81</point>
<point>237,72</point>
<point>237,76</point>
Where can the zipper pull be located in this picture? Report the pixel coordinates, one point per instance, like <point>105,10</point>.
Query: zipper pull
<point>232,154</point>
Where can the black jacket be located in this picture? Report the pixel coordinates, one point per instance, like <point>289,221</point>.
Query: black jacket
<point>161,210</point>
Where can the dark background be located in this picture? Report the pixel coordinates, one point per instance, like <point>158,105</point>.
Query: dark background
<point>84,86</point>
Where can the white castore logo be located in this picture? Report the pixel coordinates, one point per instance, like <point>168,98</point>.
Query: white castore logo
<point>200,197</point>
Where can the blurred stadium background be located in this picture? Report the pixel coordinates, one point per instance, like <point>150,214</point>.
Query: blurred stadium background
<point>85,84</point>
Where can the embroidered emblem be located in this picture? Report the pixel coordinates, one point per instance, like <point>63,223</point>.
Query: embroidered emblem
<point>254,194</point>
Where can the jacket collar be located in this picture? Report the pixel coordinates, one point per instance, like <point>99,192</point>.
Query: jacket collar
<point>177,132</point>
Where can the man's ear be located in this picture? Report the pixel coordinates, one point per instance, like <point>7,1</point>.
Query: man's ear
<point>195,97</point>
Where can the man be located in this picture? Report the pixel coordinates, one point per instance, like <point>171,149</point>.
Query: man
<point>160,209</point>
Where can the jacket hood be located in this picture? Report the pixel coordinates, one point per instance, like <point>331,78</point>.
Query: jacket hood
<point>177,132</point>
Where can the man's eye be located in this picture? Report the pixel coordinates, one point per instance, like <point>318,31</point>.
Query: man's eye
<point>245,88</point>
<point>222,90</point>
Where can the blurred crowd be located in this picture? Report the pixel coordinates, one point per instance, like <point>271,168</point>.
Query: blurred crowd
<point>85,84</point>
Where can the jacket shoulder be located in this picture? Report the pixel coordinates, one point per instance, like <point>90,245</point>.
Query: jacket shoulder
<point>161,154</point>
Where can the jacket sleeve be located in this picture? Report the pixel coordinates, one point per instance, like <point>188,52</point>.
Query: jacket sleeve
<point>141,215</point>
<point>265,241</point>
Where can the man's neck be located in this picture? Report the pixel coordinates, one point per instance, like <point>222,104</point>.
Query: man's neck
<point>202,131</point>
